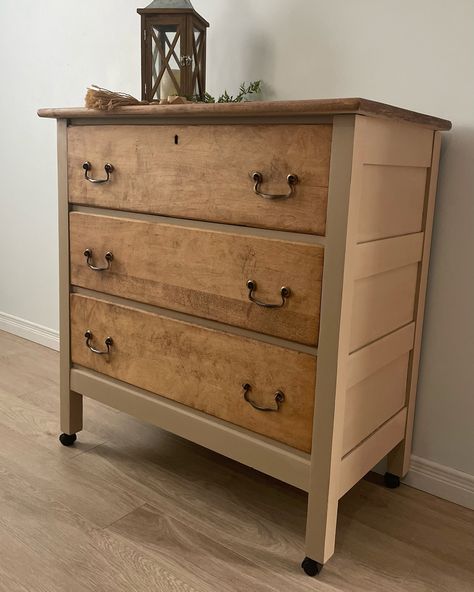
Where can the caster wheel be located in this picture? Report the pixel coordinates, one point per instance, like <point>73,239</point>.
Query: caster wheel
<point>67,439</point>
<point>311,567</point>
<point>391,481</point>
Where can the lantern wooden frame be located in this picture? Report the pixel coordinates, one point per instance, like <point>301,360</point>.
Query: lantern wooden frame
<point>191,29</point>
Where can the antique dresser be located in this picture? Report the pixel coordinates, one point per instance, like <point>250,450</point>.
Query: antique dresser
<point>252,278</point>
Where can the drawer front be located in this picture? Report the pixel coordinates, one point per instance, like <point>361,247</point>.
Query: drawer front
<point>202,272</point>
<point>204,172</point>
<point>199,367</point>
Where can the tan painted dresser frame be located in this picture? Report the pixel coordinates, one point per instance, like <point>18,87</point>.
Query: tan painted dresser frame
<point>325,474</point>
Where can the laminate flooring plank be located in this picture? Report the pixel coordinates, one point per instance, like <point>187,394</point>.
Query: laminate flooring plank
<point>71,553</point>
<point>271,540</point>
<point>25,368</point>
<point>40,425</point>
<point>12,344</point>
<point>223,512</point>
<point>20,373</point>
<point>437,527</point>
<point>139,453</point>
<point>23,570</point>
<point>211,495</point>
<point>88,494</point>
<point>179,544</point>
<point>372,559</point>
<point>132,508</point>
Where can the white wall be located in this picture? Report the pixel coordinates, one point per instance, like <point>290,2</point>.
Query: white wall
<point>418,55</point>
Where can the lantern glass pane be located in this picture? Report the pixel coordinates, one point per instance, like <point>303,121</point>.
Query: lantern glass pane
<point>165,61</point>
<point>198,48</point>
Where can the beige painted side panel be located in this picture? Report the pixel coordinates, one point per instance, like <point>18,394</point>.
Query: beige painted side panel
<point>395,143</point>
<point>383,303</point>
<point>360,460</point>
<point>202,272</point>
<point>374,357</point>
<point>202,368</point>
<point>373,401</point>
<point>383,255</point>
<point>204,172</point>
<point>394,169</point>
<point>392,201</point>
<point>391,173</point>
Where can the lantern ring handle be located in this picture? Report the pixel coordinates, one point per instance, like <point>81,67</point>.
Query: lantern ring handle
<point>108,168</point>
<point>291,179</point>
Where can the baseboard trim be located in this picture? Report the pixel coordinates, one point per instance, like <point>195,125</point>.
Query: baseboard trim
<point>442,481</point>
<point>29,330</point>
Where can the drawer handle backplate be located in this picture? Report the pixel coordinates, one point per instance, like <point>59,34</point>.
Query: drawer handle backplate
<point>108,257</point>
<point>284,293</point>
<point>291,179</point>
<point>279,397</point>
<point>108,343</point>
<point>108,168</point>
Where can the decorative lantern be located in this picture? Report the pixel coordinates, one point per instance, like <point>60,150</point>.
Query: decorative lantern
<point>173,50</point>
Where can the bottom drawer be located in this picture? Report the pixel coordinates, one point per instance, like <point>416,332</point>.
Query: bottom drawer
<point>200,367</point>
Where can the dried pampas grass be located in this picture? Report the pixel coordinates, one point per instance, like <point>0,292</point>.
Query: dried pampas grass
<point>107,100</point>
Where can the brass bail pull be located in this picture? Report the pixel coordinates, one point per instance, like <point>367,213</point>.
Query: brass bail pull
<point>278,397</point>
<point>108,257</point>
<point>291,179</point>
<point>108,168</point>
<point>108,343</point>
<point>284,293</point>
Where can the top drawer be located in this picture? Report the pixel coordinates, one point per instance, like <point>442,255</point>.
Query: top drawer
<point>205,172</point>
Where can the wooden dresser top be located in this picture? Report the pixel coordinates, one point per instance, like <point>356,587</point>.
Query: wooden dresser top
<point>287,109</point>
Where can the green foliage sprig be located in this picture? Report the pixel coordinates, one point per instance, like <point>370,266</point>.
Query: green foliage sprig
<point>253,88</point>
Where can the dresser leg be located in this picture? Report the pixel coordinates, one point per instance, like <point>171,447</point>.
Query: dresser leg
<point>320,532</point>
<point>71,412</point>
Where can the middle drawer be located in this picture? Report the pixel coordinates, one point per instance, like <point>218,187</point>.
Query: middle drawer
<point>202,272</point>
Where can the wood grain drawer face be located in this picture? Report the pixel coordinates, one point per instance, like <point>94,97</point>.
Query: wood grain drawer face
<point>202,272</point>
<point>206,174</point>
<point>199,367</point>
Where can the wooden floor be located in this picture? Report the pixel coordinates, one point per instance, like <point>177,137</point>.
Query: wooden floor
<point>133,509</point>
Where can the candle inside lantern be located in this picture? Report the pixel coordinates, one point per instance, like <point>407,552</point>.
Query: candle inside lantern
<point>167,85</point>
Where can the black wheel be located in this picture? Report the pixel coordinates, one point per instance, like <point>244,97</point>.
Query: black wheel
<point>391,481</point>
<point>311,567</point>
<point>67,439</point>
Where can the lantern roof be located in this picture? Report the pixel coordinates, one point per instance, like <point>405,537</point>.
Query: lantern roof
<point>171,6</point>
